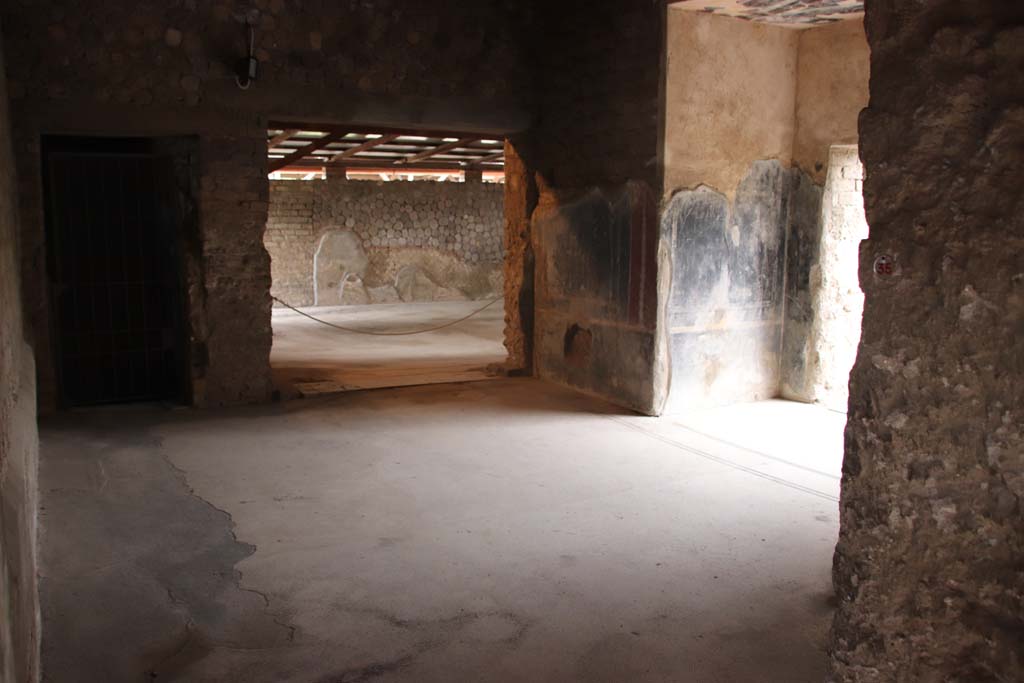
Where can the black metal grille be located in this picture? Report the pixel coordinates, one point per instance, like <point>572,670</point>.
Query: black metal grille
<point>114,271</point>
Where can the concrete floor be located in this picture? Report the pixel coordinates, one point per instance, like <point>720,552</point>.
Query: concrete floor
<point>500,531</point>
<point>310,358</point>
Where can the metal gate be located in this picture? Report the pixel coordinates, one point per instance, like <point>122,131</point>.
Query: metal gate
<point>113,242</point>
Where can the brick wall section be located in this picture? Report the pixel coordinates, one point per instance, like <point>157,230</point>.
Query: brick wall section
<point>463,220</point>
<point>290,239</point>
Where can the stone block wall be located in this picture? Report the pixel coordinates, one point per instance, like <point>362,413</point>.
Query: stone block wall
<point>928,569</point>
<point>290,239</point>
<point>416,240</point>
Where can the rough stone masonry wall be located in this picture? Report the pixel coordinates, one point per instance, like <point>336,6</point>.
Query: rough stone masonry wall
<point>593,232</point>
<point>928,569</point>
<point>123,67</point>
<point>19,609</point>
<point>413,241</point>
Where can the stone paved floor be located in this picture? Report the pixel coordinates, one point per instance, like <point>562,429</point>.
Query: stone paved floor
<point>504,532</point>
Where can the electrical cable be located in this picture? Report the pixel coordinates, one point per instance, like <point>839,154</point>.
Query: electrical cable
<point>387,334</point>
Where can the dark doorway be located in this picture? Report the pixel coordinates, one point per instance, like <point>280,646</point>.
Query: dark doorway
<point>113,222</point>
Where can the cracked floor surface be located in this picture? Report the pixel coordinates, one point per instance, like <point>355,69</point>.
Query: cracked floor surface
<point>498,531</point>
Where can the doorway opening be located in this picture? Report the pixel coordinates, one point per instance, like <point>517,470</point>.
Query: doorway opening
<point>387,257</point>
<point>114,243</point>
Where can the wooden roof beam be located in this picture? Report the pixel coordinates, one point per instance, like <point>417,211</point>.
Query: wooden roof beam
<point>440,149</point>
<point>314,145</point>
<point>490,157</point>
<point>387,164</point>
<point>369,144</point>
<point>363,128</point>
<point>281,137</point>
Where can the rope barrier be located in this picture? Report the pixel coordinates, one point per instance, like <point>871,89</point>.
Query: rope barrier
<point>387,334</point>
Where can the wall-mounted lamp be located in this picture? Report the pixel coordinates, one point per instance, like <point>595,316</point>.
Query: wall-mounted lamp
<point>247,69</point>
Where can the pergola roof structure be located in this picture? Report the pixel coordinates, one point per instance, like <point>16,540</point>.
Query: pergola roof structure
<point>296,146</point>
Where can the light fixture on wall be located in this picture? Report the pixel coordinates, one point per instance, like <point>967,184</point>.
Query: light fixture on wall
<point>247,68</point>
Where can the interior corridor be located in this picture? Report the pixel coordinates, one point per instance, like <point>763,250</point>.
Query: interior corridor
<point>498,531</point>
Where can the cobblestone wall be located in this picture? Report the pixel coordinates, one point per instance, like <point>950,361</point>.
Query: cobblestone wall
<point>447,233</point>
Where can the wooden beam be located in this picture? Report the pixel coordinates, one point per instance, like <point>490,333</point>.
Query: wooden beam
<point>489,157</point>
<point>369,144</point>
<point>281,137</point>
<point>440,149</point>
<point>314,145</point>
<point>385,164</point>
<point>364,128</point>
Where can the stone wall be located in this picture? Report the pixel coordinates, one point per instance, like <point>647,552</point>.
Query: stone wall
<point>158,69</point>
<point>928,567</point>
<point>406,241</point>
<point>595,161</point>
<point>19,609</point>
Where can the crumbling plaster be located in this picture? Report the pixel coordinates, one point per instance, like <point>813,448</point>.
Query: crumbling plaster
<point>726,118</point>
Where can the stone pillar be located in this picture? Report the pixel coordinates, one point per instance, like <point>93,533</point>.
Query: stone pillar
<point>928,566</point>
<point>474,175</point>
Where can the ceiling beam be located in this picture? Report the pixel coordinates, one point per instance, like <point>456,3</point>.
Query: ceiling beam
<point>440,149</point>
<point>384,164</point>
<point>369,144</point>
<point>314,145</point>
<point>490,157</point>
<point>364,128</point>
<point>281,137</point>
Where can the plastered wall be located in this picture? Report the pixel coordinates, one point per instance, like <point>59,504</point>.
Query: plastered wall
<point>729,131</point>
<point>741,221</point>
<point>19,609</point>
<point>396,241</point>
<point>594,163</point>
<point>730,98</point>
<point>832,88</point>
